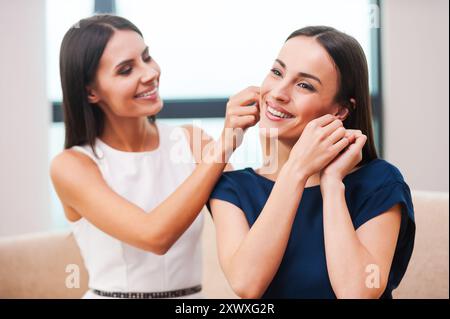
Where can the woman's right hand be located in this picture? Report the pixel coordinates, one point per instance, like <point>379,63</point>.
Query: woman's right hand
<point>321,141</point>
<point>242,112</point>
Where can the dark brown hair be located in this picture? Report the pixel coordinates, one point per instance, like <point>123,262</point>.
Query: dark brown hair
<point>349,58</point>
<point>81,50</point>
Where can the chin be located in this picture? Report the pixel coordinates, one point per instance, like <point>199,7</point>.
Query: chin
<point>273,128</point>
<point>151,109</point>
<point>278,130</point>
<point>268,130</point>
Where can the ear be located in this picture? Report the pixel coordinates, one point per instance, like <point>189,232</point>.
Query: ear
<point>93,96</point>
<point>344,110</point>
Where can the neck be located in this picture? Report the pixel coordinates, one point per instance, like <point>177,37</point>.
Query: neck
<point>275,155</point>
<point>130,134</point>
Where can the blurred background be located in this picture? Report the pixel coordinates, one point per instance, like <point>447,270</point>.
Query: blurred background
<point>209,50</point>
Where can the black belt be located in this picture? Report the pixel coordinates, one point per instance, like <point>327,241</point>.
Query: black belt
<point>150,295</point>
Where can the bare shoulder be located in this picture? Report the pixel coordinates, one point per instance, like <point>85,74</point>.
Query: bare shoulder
<point>70,163</point>
<point>73,173</point>
<point>69,171</point>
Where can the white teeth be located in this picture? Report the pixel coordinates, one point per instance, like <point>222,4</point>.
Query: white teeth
<point>278,113</point>
<point>145,94</point>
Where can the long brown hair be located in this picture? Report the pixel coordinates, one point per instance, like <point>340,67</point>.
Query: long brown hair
<point>81,50</point>
<point>349,58</point>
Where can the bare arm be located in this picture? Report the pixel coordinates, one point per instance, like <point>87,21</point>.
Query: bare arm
<point>81,188</point>
<point>354,257</point>
<point>199,141</point>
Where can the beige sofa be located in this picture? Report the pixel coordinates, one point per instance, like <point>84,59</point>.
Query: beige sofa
<point>34,266</point>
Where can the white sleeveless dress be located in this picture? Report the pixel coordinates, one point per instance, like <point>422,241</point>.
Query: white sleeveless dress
<point>145,179</point>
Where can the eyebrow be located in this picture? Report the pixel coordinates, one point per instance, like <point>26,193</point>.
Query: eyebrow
<point>130,60</point>
<point>301,74</point>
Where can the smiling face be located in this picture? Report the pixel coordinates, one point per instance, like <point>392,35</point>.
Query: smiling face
<point>300,87</point>
<point>127,79</point>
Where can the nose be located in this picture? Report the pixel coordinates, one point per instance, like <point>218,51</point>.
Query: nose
<point>149,74</point>
<point>281,93</point>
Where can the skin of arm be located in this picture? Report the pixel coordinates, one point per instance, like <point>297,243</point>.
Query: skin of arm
<point>352,254</point>
<point>199,141</point>
<point>80,186</point>
<point>84,193</point>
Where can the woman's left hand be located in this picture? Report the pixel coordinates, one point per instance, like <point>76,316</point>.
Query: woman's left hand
<point>347,160</point>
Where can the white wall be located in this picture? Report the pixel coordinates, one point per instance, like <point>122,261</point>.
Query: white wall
<point>24,120</point>
<point>416,95</point>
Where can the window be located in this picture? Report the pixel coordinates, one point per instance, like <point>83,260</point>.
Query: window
<point>210,49</point>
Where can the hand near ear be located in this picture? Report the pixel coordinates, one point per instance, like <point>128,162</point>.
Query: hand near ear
<point>347,160</point>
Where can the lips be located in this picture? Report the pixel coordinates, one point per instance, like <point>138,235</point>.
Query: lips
<point>277,113</point>
<point>148,93</point>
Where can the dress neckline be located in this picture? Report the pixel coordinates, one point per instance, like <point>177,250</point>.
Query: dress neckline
<point>354,173</point>
<point>111,149</point>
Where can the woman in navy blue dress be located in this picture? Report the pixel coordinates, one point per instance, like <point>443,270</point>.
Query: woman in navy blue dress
<point>324,217</point>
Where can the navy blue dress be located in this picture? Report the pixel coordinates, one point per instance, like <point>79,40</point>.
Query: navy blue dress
<point>369,191</point>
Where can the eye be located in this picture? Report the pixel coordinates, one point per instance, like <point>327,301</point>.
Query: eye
<point>147,58</point>
<point>306,86</point>
<point>125,70</point>
<point>275,72</point>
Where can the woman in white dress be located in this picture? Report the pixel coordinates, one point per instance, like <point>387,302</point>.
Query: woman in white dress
<point>132,188</point>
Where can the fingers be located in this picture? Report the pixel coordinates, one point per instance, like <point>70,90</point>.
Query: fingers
<point>353,145</point>
<point>245,110</point>
<point>356,148</point>
<point>340,145</point>
<point>245,121</point>
<point>352,135</point>
<point>338,134</point>
<point>324,120</point>
<point>246,97</point>
<point>332,127</point>
<point>241,113</point>
<point>359,142</point>
<point>351,132</point>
